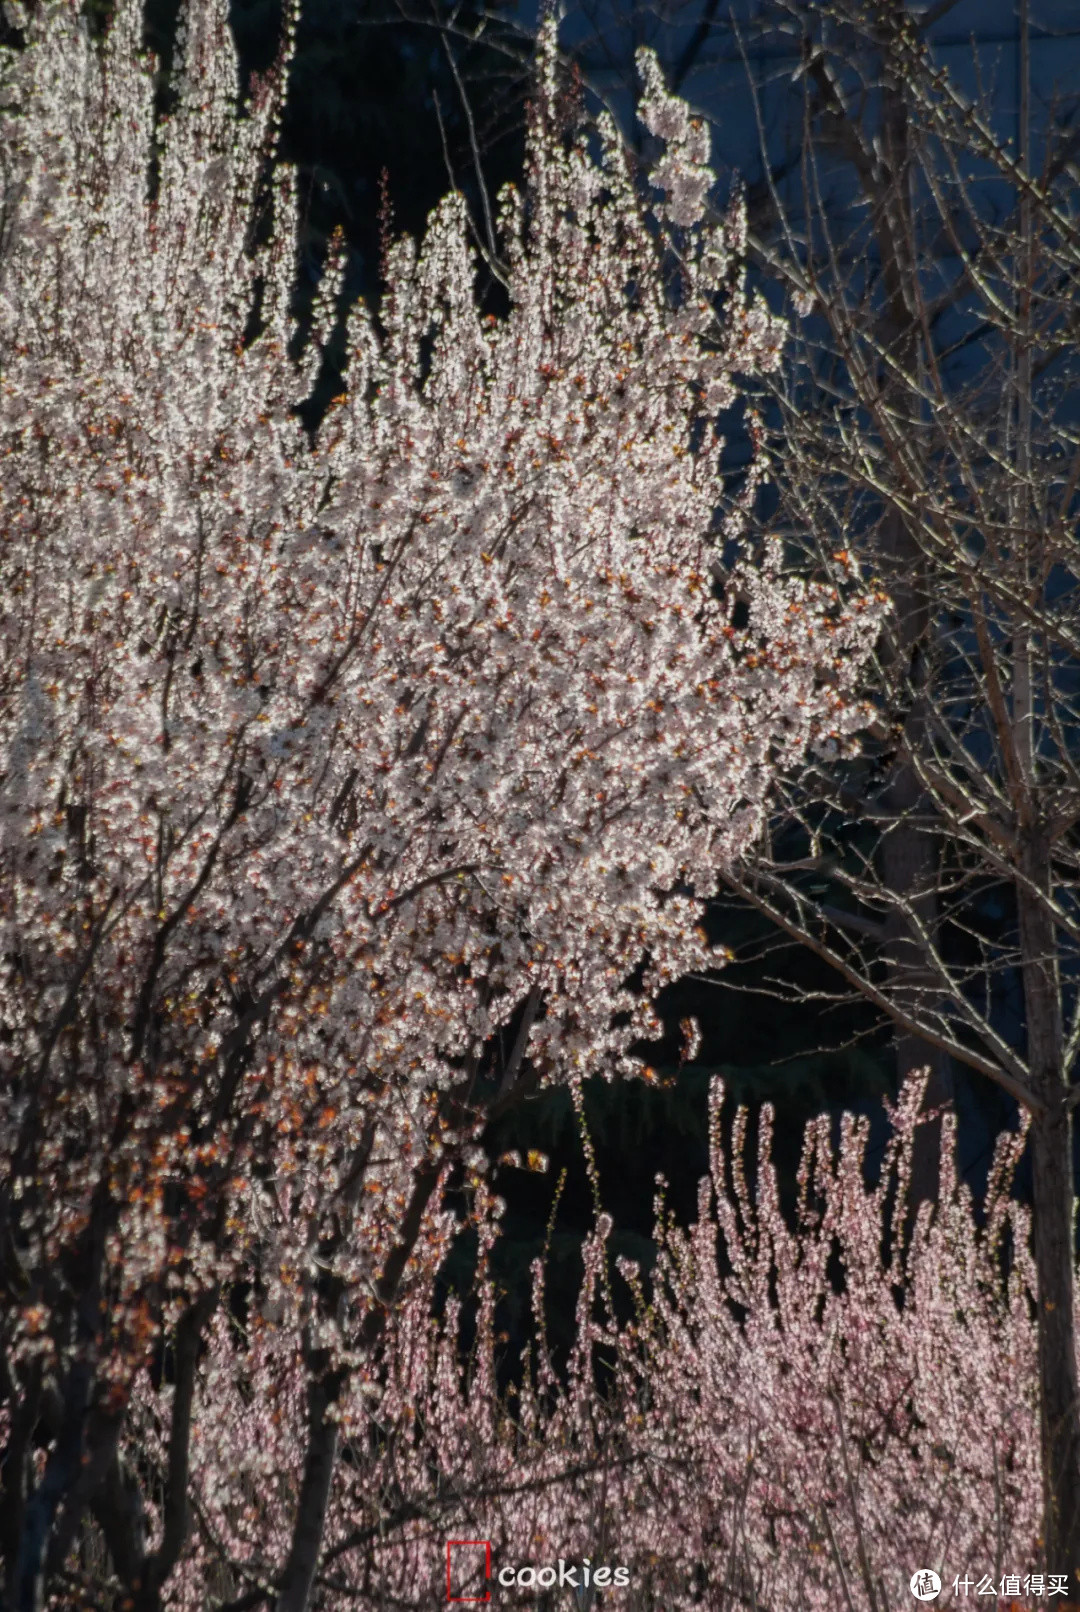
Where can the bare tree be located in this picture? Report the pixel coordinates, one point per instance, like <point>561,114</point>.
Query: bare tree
<point>929,436</point>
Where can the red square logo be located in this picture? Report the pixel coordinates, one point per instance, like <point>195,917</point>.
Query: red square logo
<point>466,1569</point>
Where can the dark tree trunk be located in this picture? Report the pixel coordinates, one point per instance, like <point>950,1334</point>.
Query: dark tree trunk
<point>1054,1214</point>
<point>910,853</point>
<point>326,1385</point>
<point>909,857</point>
<point>299,1575</point>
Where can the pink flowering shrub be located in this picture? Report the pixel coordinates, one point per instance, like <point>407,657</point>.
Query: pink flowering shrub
<point>801,1414</point>
<point>874,1406</point>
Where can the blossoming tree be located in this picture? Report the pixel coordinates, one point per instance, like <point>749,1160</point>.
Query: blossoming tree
<point>344,782</point>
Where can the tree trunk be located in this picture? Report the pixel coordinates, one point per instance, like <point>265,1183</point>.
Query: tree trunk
<point>326,1385</point>
<point>908,872</point>
<point>910,852</point>
<point>299,1575</point>
<point>1052,1168</point>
